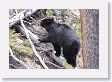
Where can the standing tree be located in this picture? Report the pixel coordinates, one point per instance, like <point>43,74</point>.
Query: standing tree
<point>90,38</point>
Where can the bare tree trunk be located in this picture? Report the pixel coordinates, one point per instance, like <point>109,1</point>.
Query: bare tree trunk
<point>90,38</point>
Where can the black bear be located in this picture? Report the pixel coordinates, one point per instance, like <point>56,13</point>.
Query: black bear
<point>61,35</point>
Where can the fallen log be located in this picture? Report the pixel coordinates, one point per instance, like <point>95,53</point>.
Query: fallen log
<point>21,15</point>
<point>33,37</point>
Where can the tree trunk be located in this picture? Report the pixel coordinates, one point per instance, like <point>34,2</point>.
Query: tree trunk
<point>90,38</point>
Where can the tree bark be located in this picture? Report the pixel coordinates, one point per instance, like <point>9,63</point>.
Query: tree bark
<point>90,38</point>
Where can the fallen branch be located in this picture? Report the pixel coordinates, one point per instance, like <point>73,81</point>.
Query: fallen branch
<point>21,15</point>
<point>33,48</point>
<point>11,53</point>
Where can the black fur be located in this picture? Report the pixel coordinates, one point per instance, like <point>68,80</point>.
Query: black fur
<point>61,35</point>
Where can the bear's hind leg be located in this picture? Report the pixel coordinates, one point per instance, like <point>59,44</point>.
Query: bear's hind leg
<point>69,56</point>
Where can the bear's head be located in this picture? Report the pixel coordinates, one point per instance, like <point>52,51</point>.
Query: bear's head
<point>46,22</point>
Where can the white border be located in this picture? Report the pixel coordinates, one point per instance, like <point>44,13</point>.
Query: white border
<point>102,72</point>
